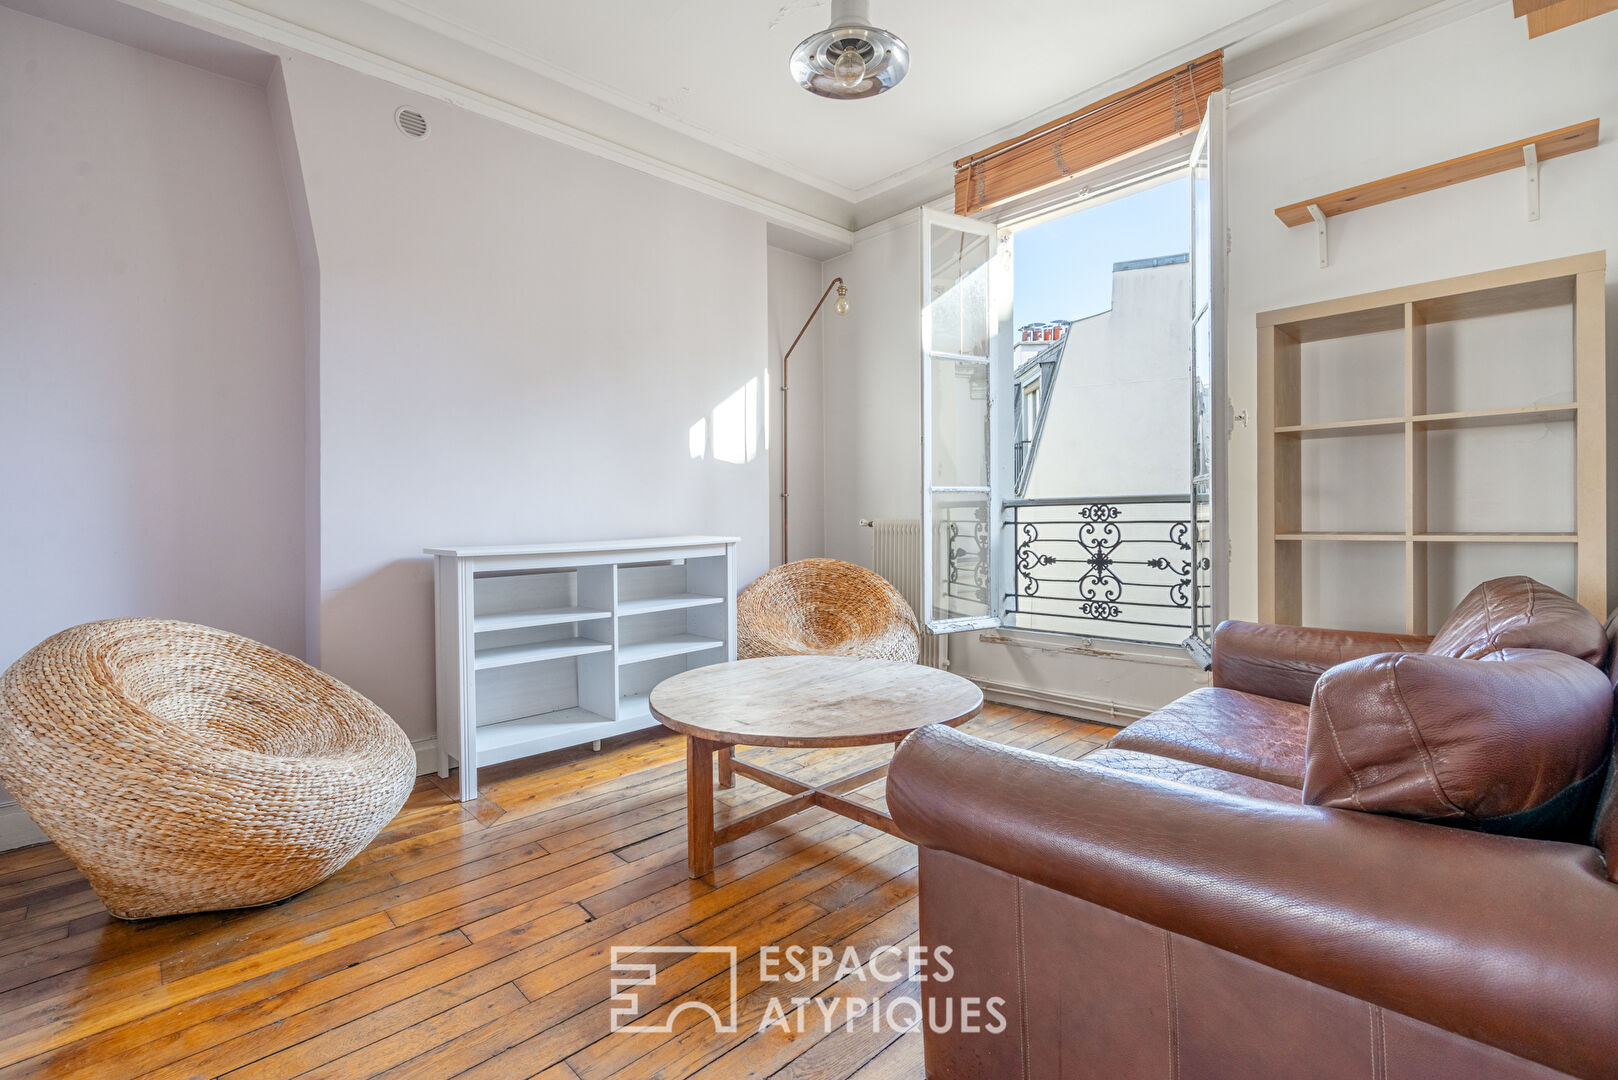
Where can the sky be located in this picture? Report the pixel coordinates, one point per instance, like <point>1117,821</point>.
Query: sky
<point>1063,268</point>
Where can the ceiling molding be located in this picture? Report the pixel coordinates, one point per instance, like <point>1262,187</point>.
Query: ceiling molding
<point>473,39</point>
<point>235,21</point>
<point>1364,43</point>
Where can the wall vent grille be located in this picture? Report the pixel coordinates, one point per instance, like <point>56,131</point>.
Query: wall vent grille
<point>411,122</point>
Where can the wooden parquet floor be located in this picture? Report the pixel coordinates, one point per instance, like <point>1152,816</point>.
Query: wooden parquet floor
<point>475,939</point>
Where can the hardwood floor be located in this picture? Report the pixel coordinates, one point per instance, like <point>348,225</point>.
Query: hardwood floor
<point>475,939</point>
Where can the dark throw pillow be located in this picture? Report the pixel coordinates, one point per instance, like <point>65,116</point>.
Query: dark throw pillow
<point>1519,613</point>
<point>1515,742</point>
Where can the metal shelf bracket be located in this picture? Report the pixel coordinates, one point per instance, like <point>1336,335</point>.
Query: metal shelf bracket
<point>1530,159</point>
<point>1320,231</point>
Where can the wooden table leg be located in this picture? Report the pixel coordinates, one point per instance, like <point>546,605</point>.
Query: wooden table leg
<point>699,769</point>
<point>727,778</point>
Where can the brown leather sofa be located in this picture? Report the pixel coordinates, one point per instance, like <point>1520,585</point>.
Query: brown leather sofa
<point>1211,896</point>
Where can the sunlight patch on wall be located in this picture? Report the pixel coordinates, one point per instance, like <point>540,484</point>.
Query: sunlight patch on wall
<point>736,425</point>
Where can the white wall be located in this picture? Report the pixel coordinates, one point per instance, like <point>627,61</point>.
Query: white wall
<point>794,286</point>
<point>516,340</point>
<point>151,418</point>
<point>872,372</point>
<point>1468,85</point>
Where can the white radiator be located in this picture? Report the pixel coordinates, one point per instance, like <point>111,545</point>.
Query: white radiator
<point>898,558</point>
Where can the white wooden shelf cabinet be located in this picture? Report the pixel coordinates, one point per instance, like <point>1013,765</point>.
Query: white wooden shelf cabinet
<point>545,646</point>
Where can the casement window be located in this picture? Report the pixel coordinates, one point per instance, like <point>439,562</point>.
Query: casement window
<point>1002,546</point>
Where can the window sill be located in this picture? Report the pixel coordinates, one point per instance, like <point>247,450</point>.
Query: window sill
<point>1100,648</point>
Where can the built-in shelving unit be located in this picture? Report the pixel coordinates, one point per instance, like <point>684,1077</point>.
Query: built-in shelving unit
<point>553,645</point>
<point>1380,517</point>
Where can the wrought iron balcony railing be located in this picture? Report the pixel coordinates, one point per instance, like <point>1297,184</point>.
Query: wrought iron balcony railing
<point>1122,568</point>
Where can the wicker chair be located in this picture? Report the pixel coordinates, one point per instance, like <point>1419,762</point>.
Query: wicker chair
<point>186,769</point>
<point>824,607</point>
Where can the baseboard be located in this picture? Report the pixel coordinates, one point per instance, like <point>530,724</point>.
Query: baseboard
<point>17,829</point>
<point>426,756</point>
<point>1080,706</point>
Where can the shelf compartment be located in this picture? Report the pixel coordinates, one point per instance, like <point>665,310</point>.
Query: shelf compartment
<point>635,706</point>
<point>1453,569</point>
<point>1512,478</point>
<point>658,648</point>
<point>677,602</point>
<point>512,739</point>
<point>1349,483</point>
<point>1492,355</point>
<point>521,620</point>
<point>1345,379</point>
<point>534,652</point>
<point>1357,585</point>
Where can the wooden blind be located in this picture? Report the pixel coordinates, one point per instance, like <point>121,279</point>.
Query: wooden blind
<point>1126,123</point>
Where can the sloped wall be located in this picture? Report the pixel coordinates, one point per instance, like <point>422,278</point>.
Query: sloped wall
<point>151,417</point>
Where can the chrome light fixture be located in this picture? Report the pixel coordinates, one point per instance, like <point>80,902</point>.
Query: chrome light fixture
<point>850,58</point>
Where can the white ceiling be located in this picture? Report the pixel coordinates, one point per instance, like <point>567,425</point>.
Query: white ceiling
<point>698,90</point>
<point>717,69</point>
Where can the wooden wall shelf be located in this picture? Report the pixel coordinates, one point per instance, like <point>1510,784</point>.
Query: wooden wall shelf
<point>1552,144</point>
<point>1545,16</point>
<point>1292,554</point>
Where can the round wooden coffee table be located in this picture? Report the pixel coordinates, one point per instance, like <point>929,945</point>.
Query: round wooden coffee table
<point>800,701</point>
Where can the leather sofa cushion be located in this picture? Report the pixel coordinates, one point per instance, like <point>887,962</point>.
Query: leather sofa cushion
<point>1173,771</point>
<point>1605,834</point>
<point>1226,729</point>
<point>1515,742</point>
<point>1519,613</point>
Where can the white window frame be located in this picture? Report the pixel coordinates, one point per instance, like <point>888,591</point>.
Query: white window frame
<point>997,362</point>
<point>1108,183</point>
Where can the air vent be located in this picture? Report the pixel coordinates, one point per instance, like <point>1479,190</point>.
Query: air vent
<point>411,122</point>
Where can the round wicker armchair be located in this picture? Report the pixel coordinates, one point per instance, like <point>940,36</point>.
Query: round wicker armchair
<point>824,607</point>
<point>187,769</point>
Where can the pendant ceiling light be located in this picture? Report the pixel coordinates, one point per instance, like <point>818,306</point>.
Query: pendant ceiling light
<point>850,58</point>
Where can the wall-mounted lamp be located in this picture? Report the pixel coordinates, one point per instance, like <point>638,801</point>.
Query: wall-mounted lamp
<point>841,307</point>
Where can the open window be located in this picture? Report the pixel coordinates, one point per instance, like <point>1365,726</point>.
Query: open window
<point>1209,405</point>
<point>1034,516</point>
<point>961,339</point>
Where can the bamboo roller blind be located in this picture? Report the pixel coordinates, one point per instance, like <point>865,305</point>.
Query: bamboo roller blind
<point>1126,123</point>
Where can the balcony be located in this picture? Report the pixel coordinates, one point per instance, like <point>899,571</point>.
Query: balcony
<point>1121,568</point>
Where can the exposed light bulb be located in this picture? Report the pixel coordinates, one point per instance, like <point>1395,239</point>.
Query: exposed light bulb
<point>849,70</point>
<point>841,306</point>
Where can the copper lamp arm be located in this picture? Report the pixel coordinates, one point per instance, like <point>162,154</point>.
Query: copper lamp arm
<point>784,473</point>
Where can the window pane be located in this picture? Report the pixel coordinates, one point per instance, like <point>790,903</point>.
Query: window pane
<point>960,557</point>
<point>960,424</point>
<point>1202,270</point>
<point>958,308</point>
<point>1202,390</point>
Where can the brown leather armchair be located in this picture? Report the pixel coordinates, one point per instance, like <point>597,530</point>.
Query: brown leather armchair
<point>1173,906</point>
